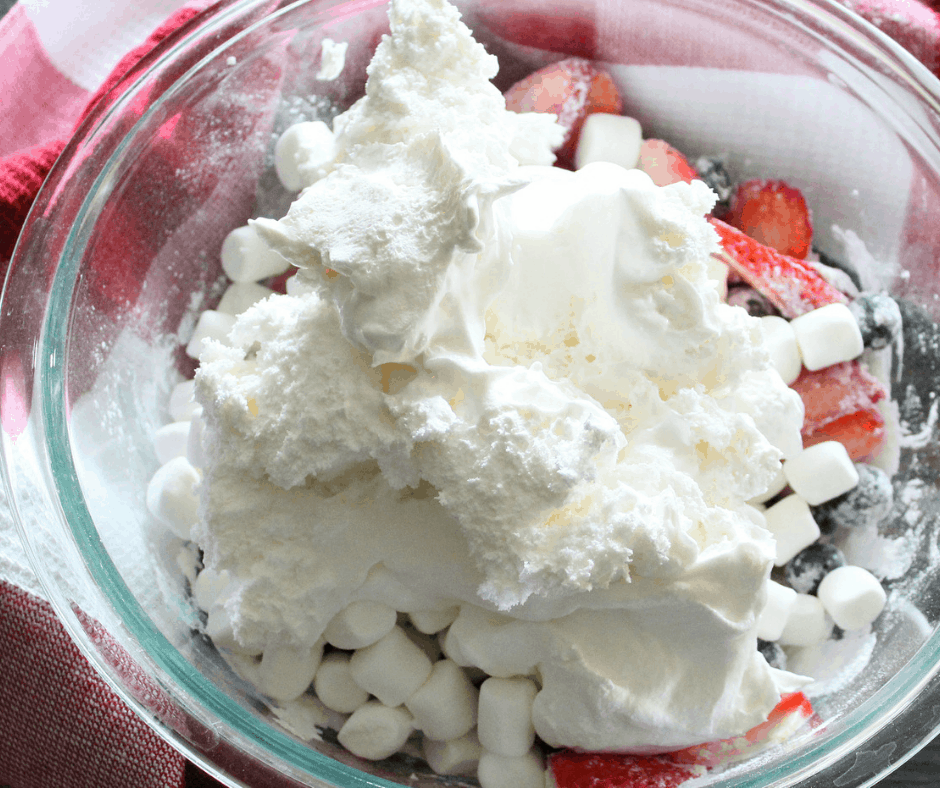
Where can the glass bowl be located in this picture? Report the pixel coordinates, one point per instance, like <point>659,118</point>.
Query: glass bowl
<point>121,252</point>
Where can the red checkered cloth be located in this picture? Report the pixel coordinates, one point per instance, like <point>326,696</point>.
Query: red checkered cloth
<point>60,724</point>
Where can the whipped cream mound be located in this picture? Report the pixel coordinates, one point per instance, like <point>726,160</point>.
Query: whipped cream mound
<point>509,388</point>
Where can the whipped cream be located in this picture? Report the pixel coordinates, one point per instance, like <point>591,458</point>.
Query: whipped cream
<point>510,388</point>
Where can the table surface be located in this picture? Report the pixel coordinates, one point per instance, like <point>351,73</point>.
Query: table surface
<point>922,770</point>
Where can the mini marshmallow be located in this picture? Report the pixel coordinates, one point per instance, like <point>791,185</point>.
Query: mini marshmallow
<point>295,286</point>
<point>247,258</point>
<point>239,296</point>
<point>194,451</point>
<point>375,731</point>
<point>445,706</point>
<point>780,341</point>
<point>807,624</point>
<point>182,403</point>
<point>776,486</point>
<point>209,587</point>
<point>852,596</point>
<point>776,611</point>
<point>360,624</point>
<point>220,630</point>
<point>301,151</point>
<point>821,472</point>
<point>500,771</point>
<point>286,671</point>
<point>391,669</point>
<point>334,684</point>
<point>458,756</point>
<point>210,325</point>
<point>827,336</point>
<point>170,440</point>
<point>504,720</point>
<point>607,137</point>
<point>791,523</point>
<point>430,622</point>
<point>173,496</point>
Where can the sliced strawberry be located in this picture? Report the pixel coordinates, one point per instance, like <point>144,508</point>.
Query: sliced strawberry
<point>792,285</point>
<point>773,213</point>
<point>572,89</point>
<point>614,770</point>
<point>786,718</point>
<point>840,403</point>
<point>664,164</point>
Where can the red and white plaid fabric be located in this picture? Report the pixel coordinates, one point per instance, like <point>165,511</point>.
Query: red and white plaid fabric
<point>60,725</point>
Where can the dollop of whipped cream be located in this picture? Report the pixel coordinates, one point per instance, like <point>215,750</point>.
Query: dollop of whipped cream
<point>507,387</point>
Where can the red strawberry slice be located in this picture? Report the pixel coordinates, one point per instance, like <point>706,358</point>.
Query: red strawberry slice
<point>664,164</point>
<point>773,213</point>
<point>572,89</point>
<point>786,718</point>
<point>614,770</point>
<point>840,403</point>
<point>791,284</point>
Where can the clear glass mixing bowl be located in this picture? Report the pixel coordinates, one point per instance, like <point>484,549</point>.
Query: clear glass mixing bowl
<point>121,251</point>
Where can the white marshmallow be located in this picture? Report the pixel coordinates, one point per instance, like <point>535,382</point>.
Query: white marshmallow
<point>500,771</point>
<point>182,404</point>
<point>375,731</point>
<point>807,624</point>
<point>445,706</point>
<point>334,684</point>
<point>301,151</point>
<point>210,325</point>
<point>295,286</point>
<point>247,258</point>
<point>360,624</point>
<point>776,611</point>
<point>791,523</point>
<point>219,628</point>
<point>170,440</point>
<point>504,720</point>
<point>780,341</point>
<point>827,336</point>
<point>852,596</point>
<point>391,669</point>
<point>458,756</point>
<point>286,671</point>
<point>430,622</point>
<point>173,496</point>
<point>606,137</point>
<point>821,472</point>
<point>210,586</point>
<point>194,451</point>
<point>776,486</point>
<point>238,296</point>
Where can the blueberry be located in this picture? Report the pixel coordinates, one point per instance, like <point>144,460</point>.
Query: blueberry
<point>756,304</point>
<point>805,571</point>
<point>879,319</point>
<point>711,169</point>
<point>774,654</point>
<point>868,502</point>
